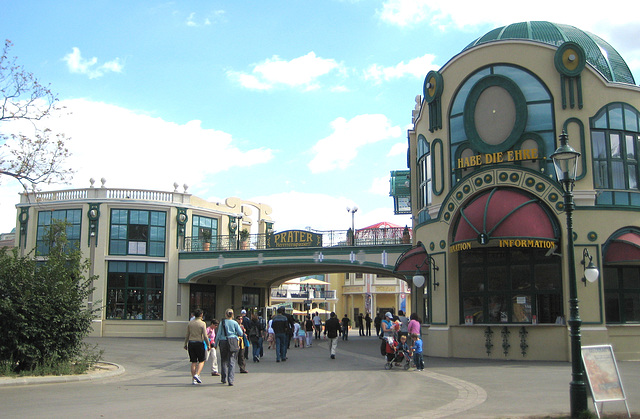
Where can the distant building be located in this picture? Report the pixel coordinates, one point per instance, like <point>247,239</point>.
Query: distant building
<point>133,238</point>
<point>8,239</point>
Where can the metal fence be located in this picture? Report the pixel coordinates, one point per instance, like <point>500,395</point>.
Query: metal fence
<point>331,238</point>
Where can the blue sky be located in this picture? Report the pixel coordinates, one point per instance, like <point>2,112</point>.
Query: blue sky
<point>302,105</point>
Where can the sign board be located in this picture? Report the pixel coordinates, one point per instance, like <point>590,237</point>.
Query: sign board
<point>603,376</point>
<point>294,238</point>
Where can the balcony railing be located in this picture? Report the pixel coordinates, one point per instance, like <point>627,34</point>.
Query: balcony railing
<point>283,293</point>
<point>368,237</point>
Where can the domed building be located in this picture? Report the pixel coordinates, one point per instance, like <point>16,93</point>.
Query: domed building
<point>490,221</point>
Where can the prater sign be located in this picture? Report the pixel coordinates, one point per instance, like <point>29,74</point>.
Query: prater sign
<point>294,238</point>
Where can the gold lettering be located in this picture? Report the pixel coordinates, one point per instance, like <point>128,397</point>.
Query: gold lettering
<point>510,155</point>
<point>525,155</point>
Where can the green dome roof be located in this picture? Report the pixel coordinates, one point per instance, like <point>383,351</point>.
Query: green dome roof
<point>599,53</point>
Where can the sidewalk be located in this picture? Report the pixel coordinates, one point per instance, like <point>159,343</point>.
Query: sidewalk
<point>154,381</point>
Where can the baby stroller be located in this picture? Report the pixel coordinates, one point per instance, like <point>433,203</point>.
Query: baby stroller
<point>396,355</point>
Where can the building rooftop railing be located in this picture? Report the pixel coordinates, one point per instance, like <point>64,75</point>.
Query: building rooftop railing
<point>103,193</point>
<point>331,238</point>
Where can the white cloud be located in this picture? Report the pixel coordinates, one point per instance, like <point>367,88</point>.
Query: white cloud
<point>133,150</point>
<point>340,148</point>
<point>398,149</point>
<point>302,72</point>
<point>77,64</point>
<point>380,186</point>
<point>417,68</point>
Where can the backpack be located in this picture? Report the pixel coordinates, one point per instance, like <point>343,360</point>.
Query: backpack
<point>254,333</point>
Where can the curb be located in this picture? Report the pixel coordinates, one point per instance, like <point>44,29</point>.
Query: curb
<point>90,376</point>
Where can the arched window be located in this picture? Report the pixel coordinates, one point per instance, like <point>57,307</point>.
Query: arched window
<point>424,173</point>
<point>614,143</point>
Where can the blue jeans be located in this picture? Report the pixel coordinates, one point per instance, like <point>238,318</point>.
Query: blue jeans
<point>418,361</point>
<point>256,348</point>
<point>281,346</point>
<point>228,362</point>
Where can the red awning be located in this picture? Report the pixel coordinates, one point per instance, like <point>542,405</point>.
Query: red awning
<point>624,248</point>
<point>411,259</point>
<point>504,213</point>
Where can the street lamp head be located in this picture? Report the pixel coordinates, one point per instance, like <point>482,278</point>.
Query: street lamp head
<point>352,210</point>
<point>565,161</point>
<point>591,272</point>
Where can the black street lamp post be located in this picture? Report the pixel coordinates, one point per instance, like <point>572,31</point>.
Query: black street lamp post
<point>565,160</point>
<point>353,211</point>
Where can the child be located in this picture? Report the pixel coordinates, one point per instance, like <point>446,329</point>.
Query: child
<point>301,336</point>
<point>417,352</point>
<point>403,346</point>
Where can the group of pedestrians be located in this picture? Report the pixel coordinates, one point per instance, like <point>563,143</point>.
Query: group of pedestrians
<point>233,338</point>
<point>400,329</point>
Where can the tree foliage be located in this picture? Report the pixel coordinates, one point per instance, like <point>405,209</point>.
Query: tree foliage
<point>43,312</point>
<point>36,157</point>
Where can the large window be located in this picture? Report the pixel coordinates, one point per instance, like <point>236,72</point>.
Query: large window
<point>622,294</point>
<point>205,232</point>
<point>72,218</point>
<point>135,290</point>
<point>424,173</point>
<point>510,285</point>
<point>137,232</point>
<point>614,144</point>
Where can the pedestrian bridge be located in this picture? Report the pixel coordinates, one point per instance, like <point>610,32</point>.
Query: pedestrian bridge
<point>269,260</point>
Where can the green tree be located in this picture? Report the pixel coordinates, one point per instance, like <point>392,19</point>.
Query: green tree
<point>36,157</point>
<point>44,316</point>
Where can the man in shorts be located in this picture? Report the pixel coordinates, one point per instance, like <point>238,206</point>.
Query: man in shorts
<point>195,342</point>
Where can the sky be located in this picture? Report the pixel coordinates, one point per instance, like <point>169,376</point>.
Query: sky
<point>301,105</point>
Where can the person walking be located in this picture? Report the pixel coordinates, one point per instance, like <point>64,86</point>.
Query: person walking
<point>346,322</point>
<point>317,324</point>
<point>378,324</point>
<point>244,347</point>
<point>331,328</point>
<point>229,332</point>
<point>279,323</point>
<point>211,333</point>
<point>368,321</point>
<point>195,342</point>
<point>308,328</point>
<point>255,336</point>
<point>360,324</point>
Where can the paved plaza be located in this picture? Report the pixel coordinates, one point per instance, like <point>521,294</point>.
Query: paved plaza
<point>153,381</point>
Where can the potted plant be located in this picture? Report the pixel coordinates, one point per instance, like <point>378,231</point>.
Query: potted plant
<point>206,239</point>
<point>244,235</point>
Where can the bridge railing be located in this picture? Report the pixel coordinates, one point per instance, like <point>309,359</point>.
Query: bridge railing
<point>330,238</point>
<point>284,293</point>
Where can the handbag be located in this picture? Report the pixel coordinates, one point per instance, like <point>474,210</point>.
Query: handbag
<point>234,346</point>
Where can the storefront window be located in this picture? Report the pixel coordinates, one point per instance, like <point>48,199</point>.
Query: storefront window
<point>622,294</point>
<point>135,291</point>
<point>510,285</point>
